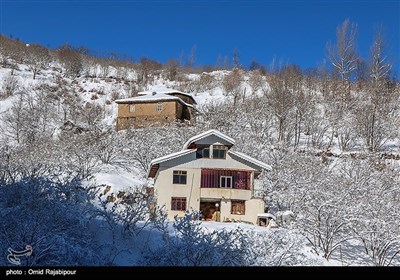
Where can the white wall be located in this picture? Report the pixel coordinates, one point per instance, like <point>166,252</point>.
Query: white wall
<point>165,189</point>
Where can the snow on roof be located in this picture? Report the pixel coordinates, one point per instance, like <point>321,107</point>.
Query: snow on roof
<point>153,98</point>
<point>172,156</point>
<point>206,134</point>
<point>266,215</point>
<point>169,157</point>
<point>251,160</point>
<point>164,90</point>
<point>185,151</point>
<point>148,97</point>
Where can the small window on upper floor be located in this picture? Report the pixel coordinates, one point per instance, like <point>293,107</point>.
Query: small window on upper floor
<point>219,151</point>
<point>179,177</point>
<point>132,108</point>
<point>159,106</point>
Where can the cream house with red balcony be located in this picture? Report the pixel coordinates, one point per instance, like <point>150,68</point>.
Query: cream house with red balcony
<point>208,176</point>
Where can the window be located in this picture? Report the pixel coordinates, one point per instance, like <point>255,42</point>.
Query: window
<point>219,151</point>
<point>238,207</point>
<point>159,107</point>
<point>178,203</point>
<point>132,108</point>
<point>226,182</point>
<point>179,177</point>
<point>203,152</point>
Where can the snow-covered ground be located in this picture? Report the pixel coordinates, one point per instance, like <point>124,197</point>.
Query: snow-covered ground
<point>129,250</point>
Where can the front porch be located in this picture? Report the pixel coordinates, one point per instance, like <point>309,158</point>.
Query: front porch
<point>210,210</point>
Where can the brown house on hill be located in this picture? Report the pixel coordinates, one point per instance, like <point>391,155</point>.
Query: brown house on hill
<point>155,108</point>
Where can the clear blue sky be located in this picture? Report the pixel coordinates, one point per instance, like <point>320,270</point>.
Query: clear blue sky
<point>290,31</point>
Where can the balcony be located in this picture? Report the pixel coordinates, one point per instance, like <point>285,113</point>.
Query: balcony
<point>225,193</point>
<point>225,178</point>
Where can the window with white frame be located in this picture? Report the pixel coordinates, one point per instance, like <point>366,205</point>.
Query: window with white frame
<point>159,106</point>
<point>179,177</point>
<point>132,108</point>
<point>225,182</point>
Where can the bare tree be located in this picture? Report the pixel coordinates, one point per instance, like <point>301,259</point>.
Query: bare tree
<point>375,112</point>
<point>334,110</point>
<point>219,63</point>
<point>204,83</point>
<point>343,55</point>
<point>92,114</point>
<point>147,68</point>
<point>361,74</point>
<point>33,114</point>
<point>373,186</point>
<point>71,59</point>
<point>192,57</point>
<point>12,52</point>
<point>255,65</point>
<point>109,149</point>
<point>10,86</point>
<point>256,80</point>
<point>38,59</point>
<point>164,138</point>
<point>326,226</point>
<point>379,66</point>
<point>376,116</point>
<point>232,85</point>
<point>172,68</point>
<point>302,98</point>
<point>226,63</point>
<point>281,101</point>
<point>236,59</point>
<point>14,119</point>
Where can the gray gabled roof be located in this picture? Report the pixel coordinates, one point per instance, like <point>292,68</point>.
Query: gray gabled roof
<point>154,164</point>
<point>206,134</point>
<point>254,161</point>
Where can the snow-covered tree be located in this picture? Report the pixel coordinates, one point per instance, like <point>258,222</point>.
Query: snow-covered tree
<point>10,86</point>
<point>374,193</point>
<point>52,218</point>
<point>193,245</point>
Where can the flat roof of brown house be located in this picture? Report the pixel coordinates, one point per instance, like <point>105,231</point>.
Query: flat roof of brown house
<point>167,91</point>
<point>150,98</point>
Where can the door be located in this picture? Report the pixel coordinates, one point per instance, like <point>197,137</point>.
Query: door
<point>210,210</point>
